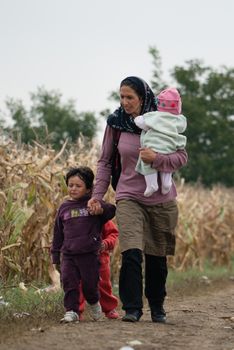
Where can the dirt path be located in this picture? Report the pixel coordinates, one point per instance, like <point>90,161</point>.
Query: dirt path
<point>200,323</point>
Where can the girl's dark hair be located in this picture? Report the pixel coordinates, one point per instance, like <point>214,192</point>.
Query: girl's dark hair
<point>136,84</point>
<point>84,173</point>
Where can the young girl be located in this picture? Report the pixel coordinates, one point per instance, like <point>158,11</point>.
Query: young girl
<point>77,235</point>
<point>108,301</point>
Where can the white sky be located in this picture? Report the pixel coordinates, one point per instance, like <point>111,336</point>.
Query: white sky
<point>84,48</point>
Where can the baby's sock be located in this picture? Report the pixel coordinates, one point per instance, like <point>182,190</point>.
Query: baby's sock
<point>166,179</point>
<point>166,189</point>
<point>151,184</point>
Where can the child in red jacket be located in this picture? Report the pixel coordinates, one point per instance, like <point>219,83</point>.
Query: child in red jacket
<point>107,300</point>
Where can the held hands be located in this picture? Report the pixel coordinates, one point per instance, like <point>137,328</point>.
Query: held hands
<point>147,155</point>
<point>103,247</point>
<point>94,207</point>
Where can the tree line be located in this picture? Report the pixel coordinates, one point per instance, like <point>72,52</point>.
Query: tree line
<point>208,103</point>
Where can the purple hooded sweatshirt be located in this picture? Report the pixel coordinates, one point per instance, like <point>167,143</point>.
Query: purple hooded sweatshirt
<point>76,231</point>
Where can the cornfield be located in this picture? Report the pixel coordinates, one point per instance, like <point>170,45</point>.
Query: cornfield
<point>32,187</point>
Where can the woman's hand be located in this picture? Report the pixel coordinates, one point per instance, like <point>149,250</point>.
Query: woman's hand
<point>94,207</point>
<point>147,155</point>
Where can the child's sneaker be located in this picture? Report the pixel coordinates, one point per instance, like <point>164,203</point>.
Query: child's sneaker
<point>113,314</point>
<point>95,311</point>
<point>70,316</point>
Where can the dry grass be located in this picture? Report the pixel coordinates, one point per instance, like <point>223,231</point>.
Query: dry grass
<point>32,187</point>
<point>205,229</point>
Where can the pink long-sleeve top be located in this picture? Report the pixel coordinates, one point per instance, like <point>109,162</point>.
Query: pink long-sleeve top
<point>131,184</point>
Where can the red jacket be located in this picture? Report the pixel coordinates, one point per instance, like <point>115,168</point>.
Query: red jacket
<point>110,235</point>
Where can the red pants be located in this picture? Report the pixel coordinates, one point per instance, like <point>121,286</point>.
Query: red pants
<point>107,300</point>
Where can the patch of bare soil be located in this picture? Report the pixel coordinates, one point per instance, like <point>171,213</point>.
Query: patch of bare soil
<point>202,321</point>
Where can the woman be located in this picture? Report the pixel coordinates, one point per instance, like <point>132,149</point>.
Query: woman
<point>146,224</point>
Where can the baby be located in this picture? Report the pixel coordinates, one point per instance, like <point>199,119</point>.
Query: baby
<point>161,132</point>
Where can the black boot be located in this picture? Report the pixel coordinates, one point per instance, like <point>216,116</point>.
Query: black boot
<point>132,316</point>
<point>158,314</point>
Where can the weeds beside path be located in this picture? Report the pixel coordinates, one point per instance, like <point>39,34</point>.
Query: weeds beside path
<point>203,320</point>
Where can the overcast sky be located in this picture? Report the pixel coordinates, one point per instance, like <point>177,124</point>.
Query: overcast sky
<point>85,48</point>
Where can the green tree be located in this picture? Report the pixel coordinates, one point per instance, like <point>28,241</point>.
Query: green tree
<point>20,119</point>
<point>208,104</point>
<point>49,120</point>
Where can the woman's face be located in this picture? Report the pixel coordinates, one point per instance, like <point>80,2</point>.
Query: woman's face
<point>130,101</point>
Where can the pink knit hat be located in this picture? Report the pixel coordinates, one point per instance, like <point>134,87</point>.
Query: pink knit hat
<point>169,101</point>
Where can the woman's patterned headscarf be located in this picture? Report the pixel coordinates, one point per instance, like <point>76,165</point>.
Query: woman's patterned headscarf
<point>125,122</point>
